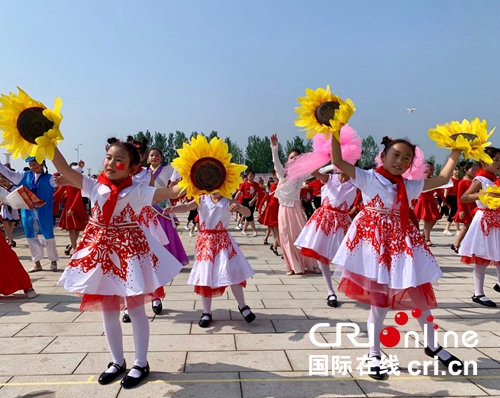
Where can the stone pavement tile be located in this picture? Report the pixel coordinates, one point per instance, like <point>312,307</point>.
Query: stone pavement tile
<point>414,386</point>
<point>297,385</point>
<point>280,294</point>
<point>164,327</point>
<point>291,303</point>
<point>180,296</point>
<point>231,304</point>
<point>493,353</point>
<point>178,289</point>
<point>488,380</point>
<point>81,344</point>
<point>487,340</point>
<point>10,329</point>
<point>187,386</point>
<point>33,317</point>
<point>23,345</point>
<point>447,303</point>
<point>191,315</point>
<point>49,298</point>
<point>277,341</point>
<point>286,288</point>
<point>179,305</point>
<point>309,279</point>
<point>61,329</point>
<point>237,361</point>
<point>31,306</point>
<point>301,326</point>
<point>65,306</point>
<point>264,281</point>
<point>308,295</point>
<point>88,317</point>
<point>219,342</point>
<point>300,358</point>
<point>478,324</point>
<point>58,386</point>
<point>325,312</point>
<point>476,312</point>
<point>39,364</point>
<point>236,327</point>
<point>273,313</point>
<point>170,362</point>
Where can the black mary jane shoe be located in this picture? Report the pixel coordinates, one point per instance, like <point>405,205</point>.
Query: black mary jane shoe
<point>250,317</point>
<point>457,363</point>
<point>205,323</point>
<point>376,373</point>
<point>157,309</point>
<point>487,303</point>
<point>67,251</point>
<point>454,248</point>
<point>126,318</point>
<point>332,300</point>
<point>106,378</point>
<point>496,288</point>
<point>130,382</point>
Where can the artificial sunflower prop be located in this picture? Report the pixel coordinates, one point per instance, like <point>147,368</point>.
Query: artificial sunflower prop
<point>470,137</point>
<point>29,127</point>
<point>492,202</point>
<point>206,168</point>
<point>323,112</point>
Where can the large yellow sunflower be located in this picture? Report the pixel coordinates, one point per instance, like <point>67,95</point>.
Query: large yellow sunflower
<point>29,127</point>
<point>206,168</point>
<point>492,202</point>
<point>470,137</point>
<point>323,112</point>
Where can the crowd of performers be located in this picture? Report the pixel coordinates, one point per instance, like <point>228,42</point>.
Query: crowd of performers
<point>365,222</point>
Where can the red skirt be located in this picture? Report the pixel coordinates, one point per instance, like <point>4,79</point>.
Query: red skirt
<point>77,221</point>
<point>427,210</point>
<point>269,216</point>
<point>478,261</point>
<point>468,209</point>
<point>207,291</point>
<point>367,291</point>
<point>99,302</point>
<point>13,276</point>
<point>313,254</point>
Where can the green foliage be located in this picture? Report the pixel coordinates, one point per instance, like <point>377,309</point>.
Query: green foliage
<point>298,143</point>
<point>258,154</point>
<point>235,150</point>
<point>370,150</point>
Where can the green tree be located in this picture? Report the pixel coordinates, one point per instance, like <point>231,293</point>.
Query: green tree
<point>258,154</point>
<point>179,139</point>
<point>213,134</point>
<point>300,144</point>
<point>370,151</point>
<point>234,149</point>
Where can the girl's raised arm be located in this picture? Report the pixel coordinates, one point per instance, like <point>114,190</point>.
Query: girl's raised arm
<point>446,172</point>
<point>65,169</point>
<point>162,194</point>
<point>320,176</point>
<point>338,161</point>
<point>472,193</point>
<point>182,208</point>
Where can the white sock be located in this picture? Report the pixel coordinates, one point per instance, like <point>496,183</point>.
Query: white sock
<point>207,306</point>
<point>498,274</point>
<point>240,297</point>
<point>479,275</point>
<point>377,316</point>
<point>327,276</point>
<point>431,341</point>
<point>140,326</point>
<point>114,337</point>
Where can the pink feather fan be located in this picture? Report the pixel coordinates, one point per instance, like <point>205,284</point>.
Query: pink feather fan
<point>303,165</point>
<point>418,166</point>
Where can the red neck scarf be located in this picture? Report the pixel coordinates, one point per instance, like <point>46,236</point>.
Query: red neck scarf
<point>487,174</point>
<point>110,204</point>
<point>401,195</point>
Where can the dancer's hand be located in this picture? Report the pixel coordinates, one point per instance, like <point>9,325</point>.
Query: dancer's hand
<point>235,207</point>
<point>168,210</point>
<point>274,140</point>
<point>70,213</point>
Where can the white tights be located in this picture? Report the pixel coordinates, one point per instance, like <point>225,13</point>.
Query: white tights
<point>238,295</point>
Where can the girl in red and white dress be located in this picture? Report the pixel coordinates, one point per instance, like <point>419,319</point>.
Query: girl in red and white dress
<point>9,215</point>
<point>325,230</point>
<point>116,262</point>
<point>269,215</point>
<point>480,245</point>
<point>219,262</point>
<point>464,212</point>
<point>383,259</point>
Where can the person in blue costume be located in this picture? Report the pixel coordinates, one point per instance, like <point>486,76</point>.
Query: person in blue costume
<point>39,221</point>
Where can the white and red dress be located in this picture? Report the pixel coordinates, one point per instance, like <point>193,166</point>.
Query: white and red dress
<point>325,230</point>
<point>481,242</point>
<point>219,261</point>
<point>381,264</point>
<point>121,260</point>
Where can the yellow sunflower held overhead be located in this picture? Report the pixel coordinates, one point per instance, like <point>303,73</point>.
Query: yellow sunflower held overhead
<point>470,137</point>
<point>492,202</point>
<point>29,127</point>
<point>206,168</point>
<point>323,112</point>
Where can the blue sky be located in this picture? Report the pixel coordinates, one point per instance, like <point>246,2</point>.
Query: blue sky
<point>238,67</point>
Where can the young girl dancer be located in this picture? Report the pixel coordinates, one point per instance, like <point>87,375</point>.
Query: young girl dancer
<point>451,201</point>
<point>269,215</point>
<point>464,213</point>
<point>249,190</point>
<point>480,245</point>
<point>291,218</point>
<point>219,262</point>
<point>42,185</point>
<point>9,215</point>
<point>383,258</point>
<point>117,262</point>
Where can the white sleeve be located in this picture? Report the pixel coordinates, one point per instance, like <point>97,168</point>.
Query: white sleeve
<point>14,176</point>
<point>363,177</point>
<point>414,188</point>
<point>280,171</point>
<point>146,194</point>
<point>88,185</point>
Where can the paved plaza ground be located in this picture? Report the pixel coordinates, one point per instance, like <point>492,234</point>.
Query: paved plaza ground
<point>49,349</point>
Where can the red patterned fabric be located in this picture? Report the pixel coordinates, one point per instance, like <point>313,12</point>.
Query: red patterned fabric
<point>331,219</point>
<point>99,302</point>
<point>207,247</point>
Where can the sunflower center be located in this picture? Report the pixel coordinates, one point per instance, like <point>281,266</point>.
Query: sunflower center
<point>32,124</point>
<point>467,136</point>
<point>208,174</point>
<point>326,112</point>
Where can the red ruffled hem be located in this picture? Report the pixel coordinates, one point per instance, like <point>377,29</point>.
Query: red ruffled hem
<point>478,261</point>
<point>312,254</point>
<point>99,302</point>
<point>367,291</point>
<point>207,291</point>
